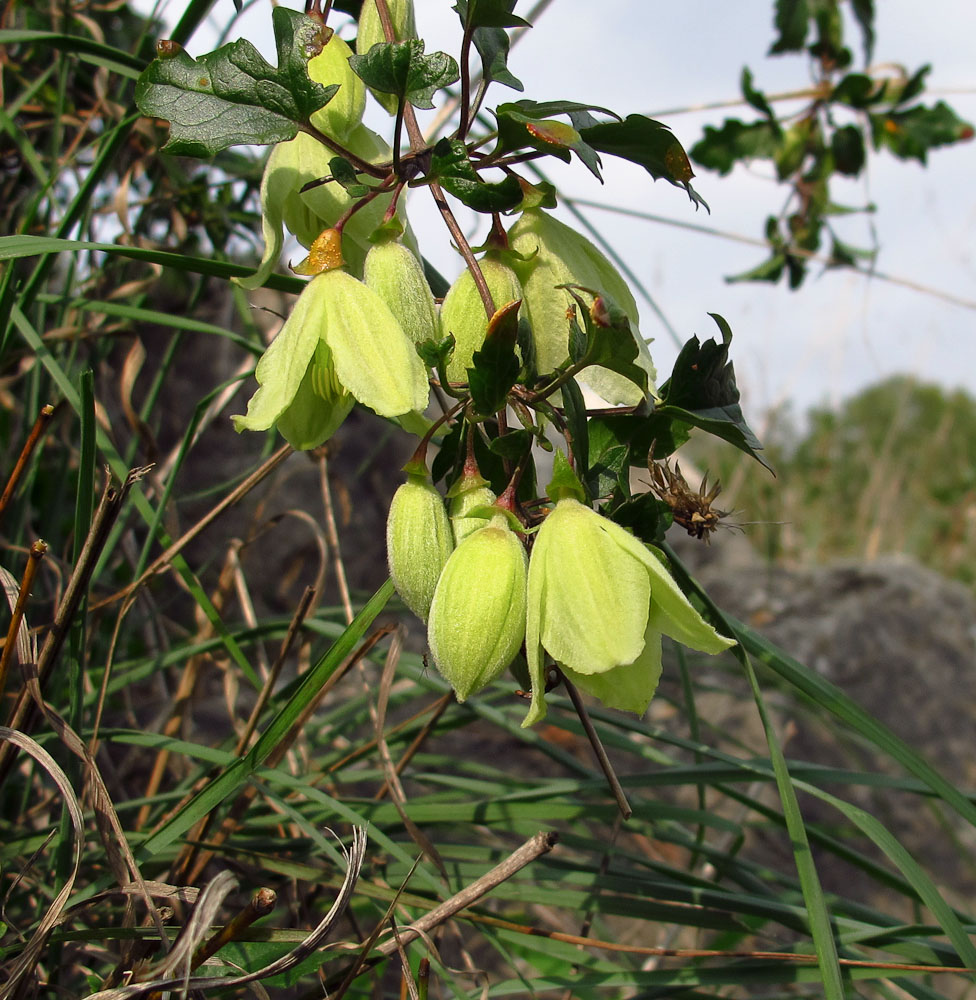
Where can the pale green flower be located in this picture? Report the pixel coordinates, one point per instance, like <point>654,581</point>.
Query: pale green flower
<point>599,601</point>
<point>554,254</point>
<point>341,343</point>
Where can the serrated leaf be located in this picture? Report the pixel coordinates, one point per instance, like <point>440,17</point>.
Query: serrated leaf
<point>910,134</point>
<point>857,90</point>
<point>489,14</point>
<point>233,96</point>
<point>457,175</point>
<point>791,21</point>
<point>609,440</point>
<point>496,365</point>
<point>402,69</point>
<point>433,353</point>
<point>721,148</point>
<point>702,391</point>
<point>649,143</point>
<point>646,516</point>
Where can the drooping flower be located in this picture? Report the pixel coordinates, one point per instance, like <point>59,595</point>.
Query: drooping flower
<point>477,618</point>
<point>340,343</point>
<point>553,254</point>
<point>599,601</point>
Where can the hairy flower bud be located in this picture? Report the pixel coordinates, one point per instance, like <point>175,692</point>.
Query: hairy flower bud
<point>477,618</point>
<point>397,277</point>
<point>371,32</point>
<point>554,254</point>
<point>582,565</point>
<point>463,313</point>
<point>418,542</point>
<point>345,111</point>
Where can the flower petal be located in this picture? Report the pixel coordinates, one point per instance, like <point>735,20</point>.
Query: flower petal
<point>373,357</point>
<point>630,686</point>
<point>283,365</point>
<point>671,612</point>
<point>595,609</point>
<point>534,653</point>
<point>319,406</point>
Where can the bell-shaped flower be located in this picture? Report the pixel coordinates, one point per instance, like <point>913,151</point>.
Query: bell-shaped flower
<point>550,254</point>
<point>599,601</point>
<point>341,343</point>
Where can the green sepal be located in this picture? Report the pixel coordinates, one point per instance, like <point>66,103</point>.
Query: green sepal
<point>564,483</point>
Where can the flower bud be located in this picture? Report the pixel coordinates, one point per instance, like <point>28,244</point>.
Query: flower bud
<point>554,254</point>
<point>463,313</point>
<point>477,618</point>
<point>418,542</point>
<point>468,493</point>
<point>397,277</point>
<point>371,32</point>
<point>345,111</point>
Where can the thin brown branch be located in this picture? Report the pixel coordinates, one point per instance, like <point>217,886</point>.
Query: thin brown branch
<point>43,419</point>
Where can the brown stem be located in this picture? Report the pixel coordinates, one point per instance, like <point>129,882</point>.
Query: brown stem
<point>463,246</point>
<point>601,754</point>
<point>37,552</point>
<point>43,419</point>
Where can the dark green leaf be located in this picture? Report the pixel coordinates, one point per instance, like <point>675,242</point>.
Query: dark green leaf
<point>791,21</point>
<point>610,342</point>
<point>574,409</point>
<point>402,69</point>
<point>795,143</point>
<point>648,143</point>
<point>702,391</point>
<point>233,96</point>
<point>512,445</point>
<point>845,255</point>
<point>720,149</point>
<point>769,270</point>
<point>609,439</point>
<point>493,45</point>
<point>489,14</point>
<point>913,86</point>
<point>646,516</point>
<point>857,90</point>
<point>863,11</point>
<point>344,173</point>
<point>451,166</point>
<point>496,365</point>
<point>911,134</point>
<point>754,97</point>
<point>847,145</point>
